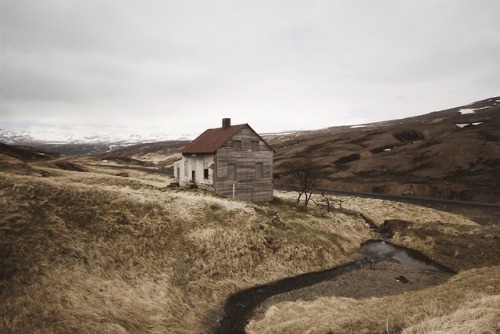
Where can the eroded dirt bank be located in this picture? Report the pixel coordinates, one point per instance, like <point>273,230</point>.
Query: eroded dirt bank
<point>458,247</point>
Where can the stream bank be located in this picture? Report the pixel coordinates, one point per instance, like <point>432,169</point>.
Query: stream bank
<point>371,273</point>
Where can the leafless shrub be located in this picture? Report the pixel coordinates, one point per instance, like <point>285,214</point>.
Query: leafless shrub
<point>303,176</point>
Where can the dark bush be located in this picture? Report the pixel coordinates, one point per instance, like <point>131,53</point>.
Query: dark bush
<point>348,158</point>
<point>383,148</point>
<point>408,136</point>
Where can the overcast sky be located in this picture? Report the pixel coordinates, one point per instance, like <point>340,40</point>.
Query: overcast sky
<point>176,67</point>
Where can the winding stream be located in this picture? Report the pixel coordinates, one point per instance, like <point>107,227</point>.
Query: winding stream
<point>240,307</point>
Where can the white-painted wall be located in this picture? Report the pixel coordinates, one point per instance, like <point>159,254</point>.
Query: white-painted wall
<point>183,169</point>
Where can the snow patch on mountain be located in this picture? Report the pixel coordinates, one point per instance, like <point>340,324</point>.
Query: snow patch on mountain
<point>73,136</point>
<point>467,111</point>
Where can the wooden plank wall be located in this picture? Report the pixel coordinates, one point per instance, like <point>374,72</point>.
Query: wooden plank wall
<point>246,185</point>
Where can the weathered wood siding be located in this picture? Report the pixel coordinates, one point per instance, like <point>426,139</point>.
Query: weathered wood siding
<point>249,183</point>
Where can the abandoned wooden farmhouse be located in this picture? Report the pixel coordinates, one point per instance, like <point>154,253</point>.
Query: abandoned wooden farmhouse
<point>233,159</point>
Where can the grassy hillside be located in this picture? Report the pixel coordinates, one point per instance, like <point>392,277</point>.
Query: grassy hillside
<point>91,252</point>
<point>84,252</point>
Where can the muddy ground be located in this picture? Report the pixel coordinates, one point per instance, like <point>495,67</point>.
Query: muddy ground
<point>374,280</point>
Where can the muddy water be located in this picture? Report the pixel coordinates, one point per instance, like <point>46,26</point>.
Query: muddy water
<point>378,256</point>
<point>405,256</point>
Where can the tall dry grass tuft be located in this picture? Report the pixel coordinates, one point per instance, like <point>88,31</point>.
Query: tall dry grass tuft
<point>91,253</point>
<point>479,315</point>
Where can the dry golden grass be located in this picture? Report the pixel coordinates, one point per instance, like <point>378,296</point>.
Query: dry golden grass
<point>479,315</point>
<point>94,253</point>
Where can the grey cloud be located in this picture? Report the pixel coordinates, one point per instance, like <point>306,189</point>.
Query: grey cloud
<point>311,62</point>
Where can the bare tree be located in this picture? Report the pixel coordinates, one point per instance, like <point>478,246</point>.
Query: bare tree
<point>303,175</point>
<point>329,202</point>
<point>325,199</point>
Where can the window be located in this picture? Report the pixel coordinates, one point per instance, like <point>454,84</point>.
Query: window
<point>186,167</point>
<point>205,170</point>
<point>255,145</point>
<point>259,170</point>
<point>237,145</point>
<point>231,171</point>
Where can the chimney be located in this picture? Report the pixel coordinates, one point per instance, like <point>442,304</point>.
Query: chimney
<point>226,122</point>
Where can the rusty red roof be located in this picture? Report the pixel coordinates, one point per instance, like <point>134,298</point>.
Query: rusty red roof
<point>210,140</point>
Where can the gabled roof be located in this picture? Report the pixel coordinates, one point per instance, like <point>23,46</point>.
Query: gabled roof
<point>210,140</point>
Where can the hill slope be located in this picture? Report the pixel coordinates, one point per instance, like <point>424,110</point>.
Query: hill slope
<point>451,154</point>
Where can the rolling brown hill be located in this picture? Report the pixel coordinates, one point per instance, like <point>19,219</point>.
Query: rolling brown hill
<point>17,159</point>
<point>448,154</point>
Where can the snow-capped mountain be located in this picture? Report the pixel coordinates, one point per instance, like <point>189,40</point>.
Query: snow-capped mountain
<point>71,137</point>
<point>75,143</point>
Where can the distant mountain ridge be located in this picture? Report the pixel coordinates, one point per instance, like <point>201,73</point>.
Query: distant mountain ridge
<point>85,145</point>
<point>67,137</point>
<point>107,142</point>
